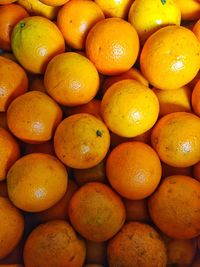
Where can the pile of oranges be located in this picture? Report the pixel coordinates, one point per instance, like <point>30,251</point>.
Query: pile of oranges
<point>99,133</point>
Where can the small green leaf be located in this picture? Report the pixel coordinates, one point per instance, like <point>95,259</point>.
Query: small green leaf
<point>163,2</point>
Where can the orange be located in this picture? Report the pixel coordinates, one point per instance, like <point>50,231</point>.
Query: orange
<point>81,141</point>
<point>95,252</point>
<point>94,174</point>
<point>3,189</point>
<point>36,7</point>
<point>196,29</point>
<point>168,208</point>
<point>60,210</point>
<point>37,84</point>
<point>196,171</point>
<point>46,147</point>
<point>93,107</point>
<point>6,2</point>
<point>15,256</point>
<point>9,16</point>
<point>137,244</point>
<point>11,226</point>
<point>190,9</point>
<point>35,34</point>
<point>75,19</point>
<point>136,210</point>
<point>31,191</point>
<point>33,117</point>
<point>170,57</point>
<point>133,73</point>
<point>96,212</point>
<point>114,8</point>
<point>180,252</point>
<point>112,45</point>
<point>125,108</point>
<point>168,170</point>
<point>54,244</point>
<point>54,2</point>
<point>133,170</point>
<point>9,150</point>
<point>149,16</point>
<point>176,139</point>
<point>71,79</point>
<point>174,100</point>
<point>196,98</point>
<point>14,82</point>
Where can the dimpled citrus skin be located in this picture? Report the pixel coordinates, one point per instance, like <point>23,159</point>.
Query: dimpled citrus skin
<point>54,2</point>
<point>170,57</point>
<point>35,34</point>
<point>174,207</point>
<point>112,45</point>
<point>81,141</point>
<point>176,139</point>
<point>125,108</point>
<point>32,181</point>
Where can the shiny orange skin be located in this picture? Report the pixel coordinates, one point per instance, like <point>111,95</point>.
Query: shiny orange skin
<point>81,141</point>
<point>168,209</point>
<point>196,171</point>
<point>95,252</point>
<point>196,98</point>
<point>54,244</point>
<point>9,16</point>
<point>60,210</point>
<point>33,117</point>
<point>75,19</point>
<point>13,83</point>
<point>176,139</point>
<point>112,45</point>
<point>35,34</point>
<point>170,57</point>
<point>54,2</point>
<point>125,108</point>
<point>196,29</point>
<point>10,152</point>
<point>190,9</point>
<point>46,147</point>
<point>133,170</point>
<point>136,210</point>
<point>31,191</point>
<point>11,226</point>
<point>137,244</point>
<point>96,212</point>
<point>71,79</point>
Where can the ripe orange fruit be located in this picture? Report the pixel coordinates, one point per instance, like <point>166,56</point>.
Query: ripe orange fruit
<point>9,16</point>
<point>71,79</point>
<point>11,226</point>
<point>196,29</point>
<point>75,19</point>
<point>31,191</point>
<point>134,170</point>
<point>190,9</point>
<point>149,16</point>
<point>136,210</point>
<point>33,117</point>
<point>168,209</point>
<point>96,212</point>
<point>174,100</point>
<point>60,210</point>
<point>10,152</point>
<point>133,73</point>
<point>180,252</point>
<point>95,252</point>
<point>81,141</point>
<point>28,35</point>
<point>170,57</point>
<point>125,108</point>
<point>54,2</point>
<point>94,174</point>
<point>46,147</point>
<point>14,82</point>
<point>54,244</point>
<point>176,139</point>
<point>196,171</point>
<point>37,8</point>
<point>137,244</point>
<point>115,8</point>
<point>112,45</point>
<point>196,98</point>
